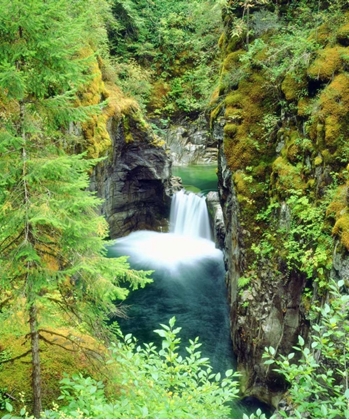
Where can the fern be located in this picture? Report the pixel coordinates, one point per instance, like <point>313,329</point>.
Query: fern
<point>243,282</point>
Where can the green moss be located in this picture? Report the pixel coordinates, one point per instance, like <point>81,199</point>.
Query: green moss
<point>158,96</point>
<point>137,129</point>
<point>343,33</point>
<point>232,60</point>
<point>215,113</point>
<point>96,137</point>
<point>318,160</point>
<point>234,98</point>
<point>286,176</point>
<point>233,43</point>
<point>292,150</point>
<point>261,170</point>
<point>333,129</point>
<point>333,113</point>
<point>322,35</point>
<point>311,183</point>
<point>222,40</point>
<point>338,203</point>
<point>341,229</point>
<point>303,106</point>
<point>328,63</point>
<point>293,88</point>
<point>230,129</point>
<point>293,153</point>
<point>241,185</point>
<point>327,156</point>
<point>244,112</point>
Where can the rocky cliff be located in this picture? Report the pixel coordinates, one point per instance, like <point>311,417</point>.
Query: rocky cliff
<point>134,180</point>
<point>281,119</point>
<point>134,177</point>
<point>190,142</point>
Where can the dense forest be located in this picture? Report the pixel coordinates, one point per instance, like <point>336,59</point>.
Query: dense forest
<point>272,75</point>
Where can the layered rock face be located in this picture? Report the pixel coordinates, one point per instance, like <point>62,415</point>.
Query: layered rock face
<point>283,182</point>
<point>190,142</point>
<point>134,180</point>
<point>216,219</point>
<point>269,312</point>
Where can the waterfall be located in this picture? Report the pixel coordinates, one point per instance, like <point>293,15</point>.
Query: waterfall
<point>188,241</point>
<point>188,282</point>
<point>189,215</point>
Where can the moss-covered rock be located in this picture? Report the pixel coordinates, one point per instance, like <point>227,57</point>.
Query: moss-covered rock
<point>343,33</point>
<point>293,87</point>
<point>232,60</point>
<point>109,102</point>
<point>244,114</point>
<point>333,112</point>
<point>285,138</point>
<point>327,64</point>
<point>341,228</point>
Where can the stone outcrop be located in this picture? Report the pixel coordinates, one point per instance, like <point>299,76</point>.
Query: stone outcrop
<point>267,313</point>
<point>190,142</point>
<point>216,218</point>
<point>282,165</point>
<point>134,180</point>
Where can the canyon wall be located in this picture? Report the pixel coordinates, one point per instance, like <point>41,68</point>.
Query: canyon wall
<point>133,176</point>
<point>134,180</point>
<point>190,142</point>
<point>280,117</point>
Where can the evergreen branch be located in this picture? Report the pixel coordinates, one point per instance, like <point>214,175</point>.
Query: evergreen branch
<point>2,250</point>
<point>56,344</point>
<point>67,338</point>
<point>3,303</point>
<point>16,358</point>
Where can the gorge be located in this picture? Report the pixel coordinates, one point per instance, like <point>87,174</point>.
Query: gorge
<point>272,147</point>
<point>188,281</point>
<point>277,119</point>
<point>104,106</point>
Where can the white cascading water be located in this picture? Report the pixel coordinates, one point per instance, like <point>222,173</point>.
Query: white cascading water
<point>189,238</point>
<point>189,215</point>
<point>188,281</point>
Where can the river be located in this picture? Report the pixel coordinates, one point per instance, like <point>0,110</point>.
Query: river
<point>188,277</point>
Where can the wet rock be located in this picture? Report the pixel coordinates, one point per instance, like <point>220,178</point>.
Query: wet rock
<point>216,218</point>
<point>191,142</point>
<point>176,184</point>
<point>134,181</point>
<point>269,311</point>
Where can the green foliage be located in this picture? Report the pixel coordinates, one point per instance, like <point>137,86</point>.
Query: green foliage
<point>288,52</point>
<point>242,25</point>
<point>301,236</point>
<point>50,230</point>
<point>52,250</point>
<point>134,80</point>
<point>43,62</point>
<point>5,400</point>
<point>243,282</point>
<point>257,415</point>
<point>319,382</point>
<point>57,234</point>
<point>307,240</point>
<point>152,383</point>
<point>174,42</point>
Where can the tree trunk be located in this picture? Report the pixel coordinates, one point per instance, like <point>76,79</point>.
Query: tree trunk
<point>36,375</point>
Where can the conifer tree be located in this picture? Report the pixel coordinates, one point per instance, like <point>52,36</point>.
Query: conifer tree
<point>51,238</point>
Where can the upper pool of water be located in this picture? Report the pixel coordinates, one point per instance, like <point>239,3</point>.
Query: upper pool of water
<point>197,177</point>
